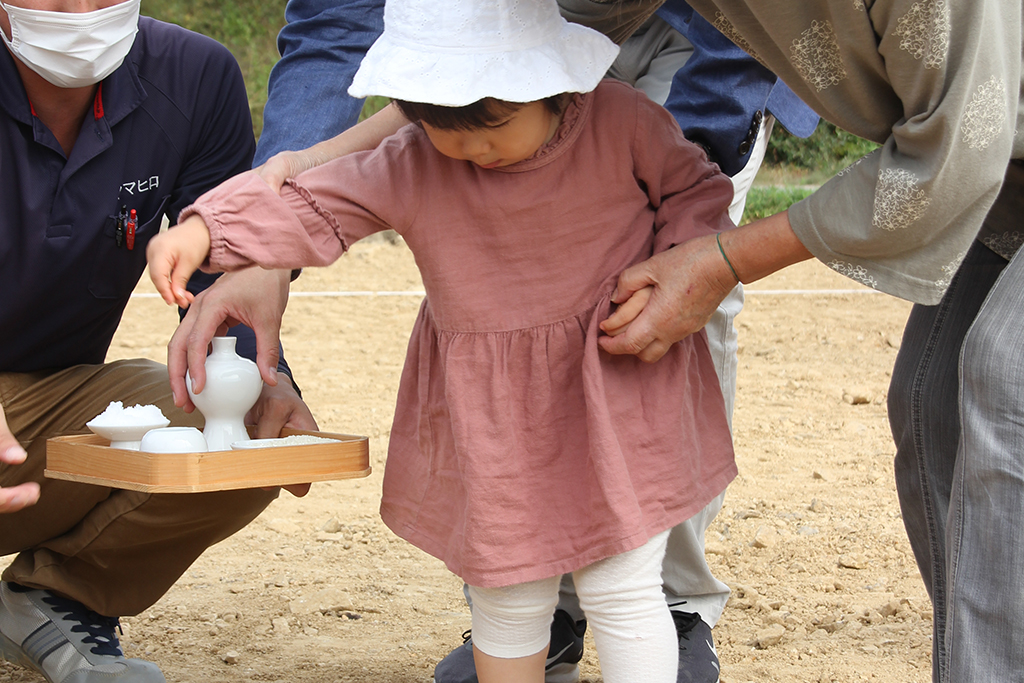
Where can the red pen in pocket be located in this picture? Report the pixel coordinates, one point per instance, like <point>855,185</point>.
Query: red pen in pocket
<point>129,232</point>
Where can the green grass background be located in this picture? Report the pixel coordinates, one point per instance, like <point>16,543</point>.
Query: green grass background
<point>246,27</point>
<point>793,167</point>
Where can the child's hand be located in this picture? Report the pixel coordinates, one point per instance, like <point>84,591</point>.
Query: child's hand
<point>618,322</point>
<point>174,255</point>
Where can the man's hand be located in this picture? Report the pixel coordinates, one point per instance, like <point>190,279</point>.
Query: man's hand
<point>277,407</point>
<point>687,283</point>
<point>253,297</point>
<point>14,498</point>
<point>174,255</point>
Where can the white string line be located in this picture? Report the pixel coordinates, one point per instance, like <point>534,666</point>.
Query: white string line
<point>820,292</point>
<point>746,292</point>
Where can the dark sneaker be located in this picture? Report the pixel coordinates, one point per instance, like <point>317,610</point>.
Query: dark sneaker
<point>698,659</point>
<point>65,641</point>
<point>564,655</point>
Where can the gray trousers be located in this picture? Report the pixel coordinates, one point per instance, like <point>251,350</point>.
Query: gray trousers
<point>956,408</point>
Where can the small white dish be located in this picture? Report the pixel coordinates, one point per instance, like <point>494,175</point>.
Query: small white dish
<point>127,437</point>
<point>174,440</point>
<point>293,440</point>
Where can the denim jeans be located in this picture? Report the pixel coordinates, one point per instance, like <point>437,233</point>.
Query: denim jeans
<point>321,48</point>
<point>956,408</point>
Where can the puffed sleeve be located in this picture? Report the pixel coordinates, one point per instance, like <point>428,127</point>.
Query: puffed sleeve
<point>318,214</point>
<point>691,195</point>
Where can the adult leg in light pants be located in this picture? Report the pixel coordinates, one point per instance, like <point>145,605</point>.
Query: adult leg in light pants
<point>687,578</point>
<point>956,408</point>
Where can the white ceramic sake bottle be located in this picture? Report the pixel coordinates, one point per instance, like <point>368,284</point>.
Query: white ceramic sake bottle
<point>232,386</point>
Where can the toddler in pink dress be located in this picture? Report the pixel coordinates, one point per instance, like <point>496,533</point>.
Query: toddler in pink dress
<point>519,450</point>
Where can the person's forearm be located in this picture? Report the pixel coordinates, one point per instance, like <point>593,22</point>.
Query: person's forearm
<point>363,136</point>
<point>762,247</point>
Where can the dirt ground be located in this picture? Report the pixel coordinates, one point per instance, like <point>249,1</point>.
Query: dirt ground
<point>810,540</point>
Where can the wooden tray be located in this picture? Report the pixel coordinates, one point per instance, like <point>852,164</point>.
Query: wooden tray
<point>89,459</point>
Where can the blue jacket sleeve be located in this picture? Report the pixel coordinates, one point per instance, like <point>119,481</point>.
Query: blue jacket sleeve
<point>321,47</point>
<point>720,95</point>
<point>219,144</point>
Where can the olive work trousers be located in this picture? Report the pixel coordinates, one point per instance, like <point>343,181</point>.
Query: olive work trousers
<point>115,551</point>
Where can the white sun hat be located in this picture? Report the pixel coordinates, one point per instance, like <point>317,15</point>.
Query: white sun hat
<point>455,52</point>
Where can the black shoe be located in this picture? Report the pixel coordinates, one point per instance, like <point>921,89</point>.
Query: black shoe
<point>562,666</point>
<point>698,659</point>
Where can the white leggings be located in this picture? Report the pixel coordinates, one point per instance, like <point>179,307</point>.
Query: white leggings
<point>625,608</point>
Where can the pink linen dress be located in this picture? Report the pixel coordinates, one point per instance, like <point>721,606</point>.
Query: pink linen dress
<point>520,450</point>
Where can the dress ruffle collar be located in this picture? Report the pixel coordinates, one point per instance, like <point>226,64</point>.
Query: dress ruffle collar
<point>573,119</point>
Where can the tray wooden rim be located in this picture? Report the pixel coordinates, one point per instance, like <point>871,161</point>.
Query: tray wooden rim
<point>89,459</point>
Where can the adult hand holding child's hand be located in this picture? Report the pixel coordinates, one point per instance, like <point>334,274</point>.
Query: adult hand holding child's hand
<point>690,280</point>
<point>683,286</point>
<point>626,312</point>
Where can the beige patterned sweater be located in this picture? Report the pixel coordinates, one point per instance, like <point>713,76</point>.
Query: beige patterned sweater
<point>938,83</point>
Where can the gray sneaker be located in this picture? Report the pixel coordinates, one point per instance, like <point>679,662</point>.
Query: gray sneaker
<point>564,655</point>
<point>698,659</point>
<point>65,641</point>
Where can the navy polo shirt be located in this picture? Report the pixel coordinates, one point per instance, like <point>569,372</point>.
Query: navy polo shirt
<point>172,122</point>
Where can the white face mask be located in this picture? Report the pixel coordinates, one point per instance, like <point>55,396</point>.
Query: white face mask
<point>73,49</point>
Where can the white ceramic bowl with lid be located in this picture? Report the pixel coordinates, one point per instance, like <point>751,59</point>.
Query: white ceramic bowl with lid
<point>174,440</point>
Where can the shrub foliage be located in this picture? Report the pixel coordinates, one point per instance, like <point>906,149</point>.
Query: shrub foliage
<point>828,149</point>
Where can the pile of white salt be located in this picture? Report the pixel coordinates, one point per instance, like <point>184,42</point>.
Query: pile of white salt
<point>116,415</point>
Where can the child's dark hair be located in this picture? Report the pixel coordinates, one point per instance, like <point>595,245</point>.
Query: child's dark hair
<point>480,114</point>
